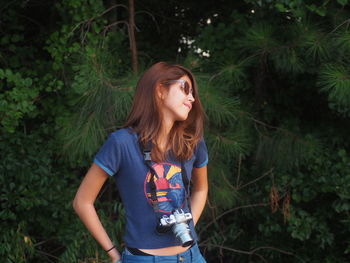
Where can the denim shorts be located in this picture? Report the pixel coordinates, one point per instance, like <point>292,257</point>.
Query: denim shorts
<point>192,255</point>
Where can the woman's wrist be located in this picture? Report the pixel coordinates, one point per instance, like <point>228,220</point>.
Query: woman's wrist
<point>114,255</point>
<point>110,249</point>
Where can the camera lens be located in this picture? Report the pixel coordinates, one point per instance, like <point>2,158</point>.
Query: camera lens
<point>182,231</point>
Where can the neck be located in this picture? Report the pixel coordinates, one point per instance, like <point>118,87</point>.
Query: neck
<point>163,136</point>
<point>166,127</point>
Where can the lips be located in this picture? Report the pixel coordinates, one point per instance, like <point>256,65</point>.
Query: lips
<point>188,105</point>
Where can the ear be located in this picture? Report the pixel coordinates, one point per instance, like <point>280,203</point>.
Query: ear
<point>160,91</point>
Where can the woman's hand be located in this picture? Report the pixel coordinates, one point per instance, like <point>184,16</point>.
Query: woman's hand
<point>117,260</point>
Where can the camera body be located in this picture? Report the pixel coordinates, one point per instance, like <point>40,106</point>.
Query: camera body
<point>177,222</point>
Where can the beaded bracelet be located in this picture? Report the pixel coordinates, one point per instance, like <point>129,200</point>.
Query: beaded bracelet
<point>110,249</point>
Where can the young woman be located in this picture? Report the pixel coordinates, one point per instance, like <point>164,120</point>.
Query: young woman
<point>166,120</point>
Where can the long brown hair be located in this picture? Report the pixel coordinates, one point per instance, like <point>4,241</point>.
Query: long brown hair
<point>145,117</point>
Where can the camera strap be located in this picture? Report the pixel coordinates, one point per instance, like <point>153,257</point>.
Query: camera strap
<point>146,151</point>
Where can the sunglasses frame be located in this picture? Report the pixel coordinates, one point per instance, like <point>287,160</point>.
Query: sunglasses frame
<point>183,86</point>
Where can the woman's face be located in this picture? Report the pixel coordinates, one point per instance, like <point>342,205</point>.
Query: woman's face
<point>175,102</point>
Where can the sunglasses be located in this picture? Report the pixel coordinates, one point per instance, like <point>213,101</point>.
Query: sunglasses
<point>185,86</point>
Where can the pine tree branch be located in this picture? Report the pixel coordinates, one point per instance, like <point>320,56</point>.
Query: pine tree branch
<point>228,182</point>
<point>274,127</point>
<point>230,211</point>
<point>238,65</point>
<point>256,179</point>
<point>151,15</point>
<point>48,255</point>
<point>114,24</point>
<point>347,21</point>
<point>88,21</point>
<point>112,7</point>
<point>253,251</point>
<point>239,170</point>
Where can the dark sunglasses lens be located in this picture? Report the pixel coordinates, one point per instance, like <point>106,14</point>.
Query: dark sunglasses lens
<point>187,88</point>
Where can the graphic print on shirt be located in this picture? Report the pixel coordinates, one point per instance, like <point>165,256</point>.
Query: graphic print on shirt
<point>170,188</point>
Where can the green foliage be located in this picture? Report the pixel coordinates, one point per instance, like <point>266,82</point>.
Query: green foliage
<point>38,98</point>
<point>82,246</point>
<point>102,105</point>
<point>275,88</point>
<point>17,100</point>
<point>259,39</point>
<point>30,184</point>
<point>293,61</point>
<point>335,80</point>
<point>17,247</point>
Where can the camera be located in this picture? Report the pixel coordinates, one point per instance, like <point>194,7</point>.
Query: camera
<point>177,222</point>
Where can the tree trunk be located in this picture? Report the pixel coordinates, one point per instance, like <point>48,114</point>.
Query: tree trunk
<point>132,36</point>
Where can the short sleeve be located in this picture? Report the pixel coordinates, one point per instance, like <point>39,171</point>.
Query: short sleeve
<point>201,155</point>
<point>108,157</point>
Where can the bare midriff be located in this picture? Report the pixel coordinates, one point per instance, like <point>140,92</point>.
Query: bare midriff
<point>166,251</point>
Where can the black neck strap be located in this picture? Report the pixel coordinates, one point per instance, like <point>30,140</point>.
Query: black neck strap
<point>146,151</point>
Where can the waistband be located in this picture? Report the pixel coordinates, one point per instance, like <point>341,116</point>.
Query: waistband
<point>136,251</point>
<point>188,256</point>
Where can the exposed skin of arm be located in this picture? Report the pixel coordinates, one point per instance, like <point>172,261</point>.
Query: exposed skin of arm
<point>199,192</point>
<point>83,205</point>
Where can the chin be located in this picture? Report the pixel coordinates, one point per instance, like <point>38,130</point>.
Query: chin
<point>182,118</point>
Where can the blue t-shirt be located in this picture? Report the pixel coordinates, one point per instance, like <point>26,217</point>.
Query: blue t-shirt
<point>121,157</point>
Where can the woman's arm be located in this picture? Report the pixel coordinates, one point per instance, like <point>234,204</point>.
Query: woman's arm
<point>199,192</point>
<point>83,205</point>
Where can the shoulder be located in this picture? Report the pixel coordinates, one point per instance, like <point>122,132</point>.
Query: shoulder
<point>200,144</point>
<point>123,133</point>
<point>201,154</point>
<point>123,136</point>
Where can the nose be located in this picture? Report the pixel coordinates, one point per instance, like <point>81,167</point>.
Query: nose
<point>190,97</point>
